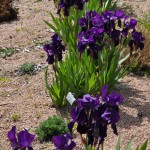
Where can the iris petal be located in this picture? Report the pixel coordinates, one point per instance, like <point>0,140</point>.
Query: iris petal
<point>12,137</point>
<point>25,138</point>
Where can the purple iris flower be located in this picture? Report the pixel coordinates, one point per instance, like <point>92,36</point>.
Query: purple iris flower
<point>50,59</point>
<point>102,133</point>
<point>93,117</point>
<point>93,50</point>
<point>88,102</point>
<point>82,128</point>
<point>81,113</point>
<point>119,14</point>
<point>96,29</point>
<point>81,47</point>
<point>84,39</point>
<point>115,35</point>
<point>65,5</point>
<point>91,14</point>
<point>101,122</point>
<point>97,32</point>
<point>46,47</point>
<point>97,21</point>
<point>54,49</point>
<point>56,38</point>
<point>79,4</point>
<point>104,92</point>
<point>23,141</point>
<point>113,98</point>
<point>133,23</point>
<point>137,40</point>
<point>137,36</point>
<point>107,16</point>
<point>64,142</point>
<point>125,31</point>
<point>111,115</point>
<point>83,22</point>
<point>104,115</point>
<point>70,126</point>
<point>129,23</point>
<point>78,114</point>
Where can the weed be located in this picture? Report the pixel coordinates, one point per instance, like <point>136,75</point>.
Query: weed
<point>15,117</point>
<point>29,43</point>
<point>36,1</point>
<point>37,42</point>
<point>26,78</point>
<point>27,68</point>
<point>25,29</point>
<point>4,94</point>
<point>41,55</point>
<point>35,105</point>
<point>4,80</point>
<point>140,70</point>
<point>38,115</point>
<point>36,10</point>
<point>145,21</point>
<point>7,52</point>
<point>18,30</point>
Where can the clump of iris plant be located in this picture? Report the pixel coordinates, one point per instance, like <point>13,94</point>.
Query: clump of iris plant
<point>64,142</point>
<point>111,28</point>
<point>22,141</point>
<point>93,115</point>
<point>65,5</point>
<point>54,49</point>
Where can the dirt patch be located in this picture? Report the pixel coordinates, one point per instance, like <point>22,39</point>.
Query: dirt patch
<point>30,27</point>
<point>26,96</point>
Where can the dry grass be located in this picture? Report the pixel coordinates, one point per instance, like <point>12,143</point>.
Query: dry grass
<point>145,29</point>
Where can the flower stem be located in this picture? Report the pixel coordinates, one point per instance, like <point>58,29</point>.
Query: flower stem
<point>102,146</point>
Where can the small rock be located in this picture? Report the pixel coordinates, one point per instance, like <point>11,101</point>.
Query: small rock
<point>10,37</point>
<point>26,50</point>
<point>140,115</point>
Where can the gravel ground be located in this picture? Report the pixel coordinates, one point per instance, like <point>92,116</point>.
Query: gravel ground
<point>26,97</point>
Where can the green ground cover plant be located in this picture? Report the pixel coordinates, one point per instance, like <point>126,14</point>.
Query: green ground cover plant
<point>27,68</point>
<point>7,52</point>
<point>54,125</point>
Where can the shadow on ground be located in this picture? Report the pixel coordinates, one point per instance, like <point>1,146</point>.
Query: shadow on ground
<point>135,108</point>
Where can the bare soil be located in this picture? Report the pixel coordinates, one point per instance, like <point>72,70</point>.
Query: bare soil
<point>26,96</point>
